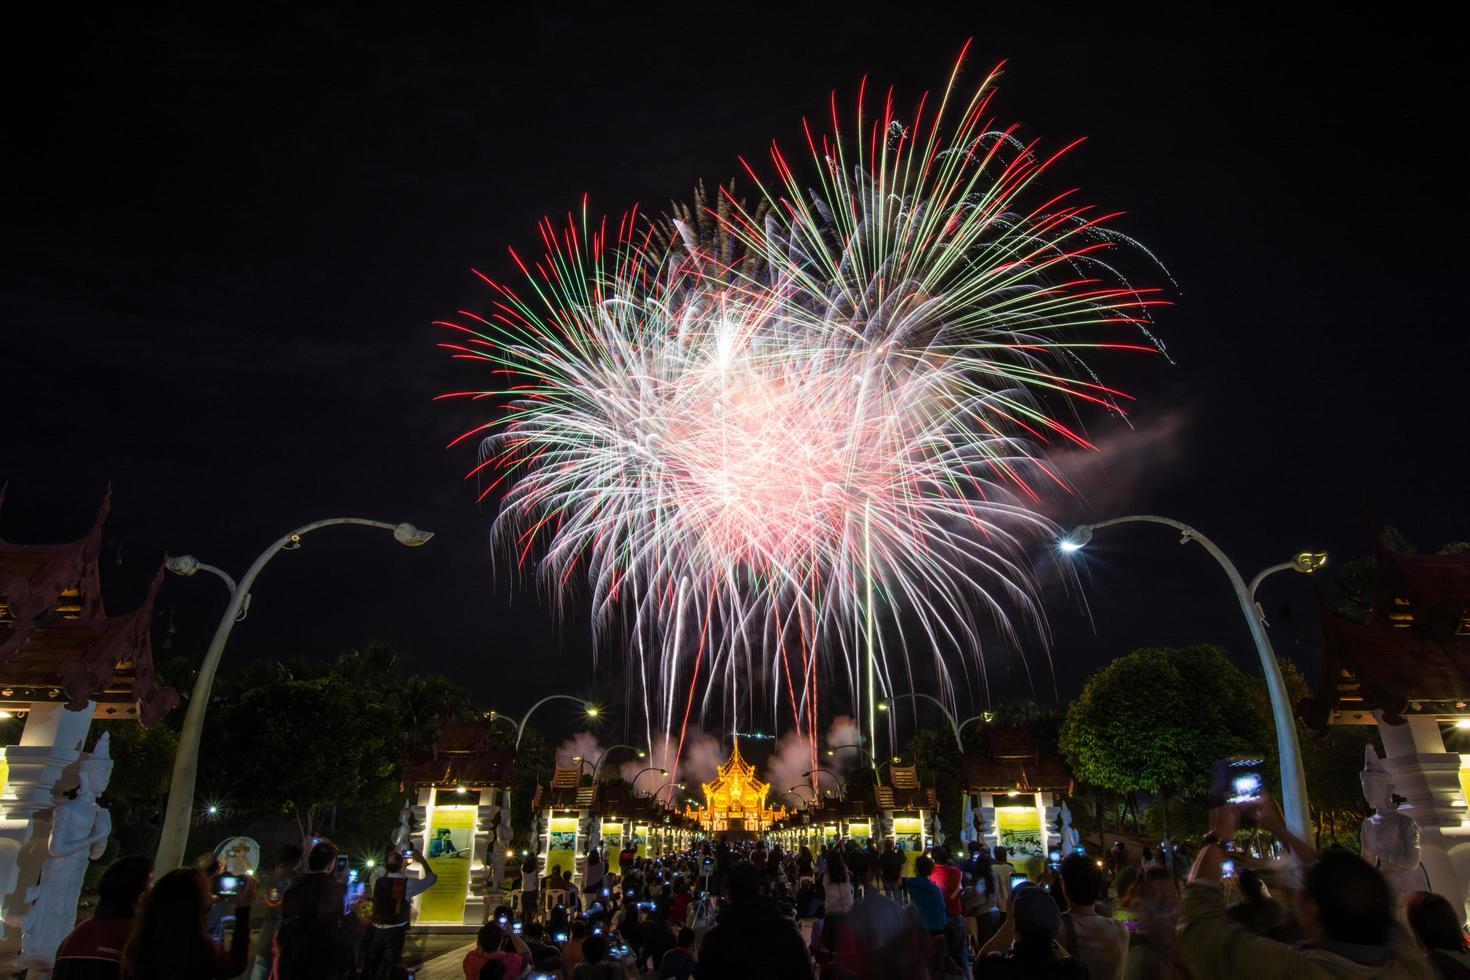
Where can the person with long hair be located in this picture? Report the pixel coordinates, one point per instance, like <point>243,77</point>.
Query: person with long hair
<point>1437,929</point>
<point>170,940</point>
<point>836,885</point>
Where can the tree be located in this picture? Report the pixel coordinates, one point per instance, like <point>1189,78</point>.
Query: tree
<point>305,746</point>
<point>1156,719</point>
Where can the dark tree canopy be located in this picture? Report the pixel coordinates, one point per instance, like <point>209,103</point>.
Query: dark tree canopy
<point>1157,718</point>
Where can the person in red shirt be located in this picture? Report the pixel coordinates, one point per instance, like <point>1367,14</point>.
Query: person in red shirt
<point>93,950</point>
<point>948,877</point>
<point>495,944</point>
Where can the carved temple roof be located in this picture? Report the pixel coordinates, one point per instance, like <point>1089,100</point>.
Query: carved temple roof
<point>1413,653</point>
<point>462,756</point>
<point>1013,760</point>
<point>57,642</point>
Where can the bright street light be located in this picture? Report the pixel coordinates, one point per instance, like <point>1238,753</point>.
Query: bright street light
<point>174,833</point>
<point>1293,776</point>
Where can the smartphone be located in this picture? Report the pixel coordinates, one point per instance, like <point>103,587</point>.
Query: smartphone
<point>1227,869</point>
<point>502,919</point>
<point>1017,880</point>
<point>516,927</point>
<point>227,885</point>
<point>1235,779</point>
<point>560,937</point>
<point>342,863</point>
<point>597,929</point>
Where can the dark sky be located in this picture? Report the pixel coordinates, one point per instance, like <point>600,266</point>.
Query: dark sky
<point>228,227</point>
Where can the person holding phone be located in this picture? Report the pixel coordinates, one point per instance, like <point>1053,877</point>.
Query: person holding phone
<point>315,939</point>
<point>1345,909</point>
<point>393,895</point>
<point>170,939</point>
<point>496,945</point>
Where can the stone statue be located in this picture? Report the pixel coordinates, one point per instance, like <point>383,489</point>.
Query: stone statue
<point>1390,838</point>
<point>79,832</point>
<point>402,837</point>
<point>1069,835</point>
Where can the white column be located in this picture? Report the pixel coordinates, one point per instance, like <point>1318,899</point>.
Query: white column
<point>42,766</point>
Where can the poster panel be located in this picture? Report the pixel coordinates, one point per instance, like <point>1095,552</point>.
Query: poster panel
<point>908,837</point>
<point>1019,832</point>
<point>451,842</point>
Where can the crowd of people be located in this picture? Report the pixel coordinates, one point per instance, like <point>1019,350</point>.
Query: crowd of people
<point>851,910</point>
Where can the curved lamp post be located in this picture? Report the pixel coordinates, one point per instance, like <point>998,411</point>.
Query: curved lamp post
<point>841,786</point>
<point>175,831</point>
<point>634,782</point>
<point>957,727</point>
<point>666,786</point>
<point>597,765</point>
<point>833,750</point>
<point>1293,777</point>
<point>591,710</point>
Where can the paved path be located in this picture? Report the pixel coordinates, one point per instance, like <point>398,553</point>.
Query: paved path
<point>448,966</point>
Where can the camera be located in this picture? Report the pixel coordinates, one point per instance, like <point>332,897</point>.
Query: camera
<point>560,937</point>
<point>516,927</point>
<point>227,885</point>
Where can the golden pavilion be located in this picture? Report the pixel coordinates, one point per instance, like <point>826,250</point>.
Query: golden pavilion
<point>735,801</point>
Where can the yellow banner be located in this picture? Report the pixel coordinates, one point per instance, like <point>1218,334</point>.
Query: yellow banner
<point>1019,831</point>
<point>451,843</point>
<point>909,838</point>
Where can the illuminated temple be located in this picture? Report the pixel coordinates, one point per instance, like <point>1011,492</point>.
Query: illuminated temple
<point>735,801</point>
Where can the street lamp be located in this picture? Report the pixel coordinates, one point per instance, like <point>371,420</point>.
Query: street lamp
<point>591,710</point>
<point>597,765</point>
<point>666,786</point>
<point>661,772</point>
<point>955,726</point>
<point>1293,776</point>
<point>841,786</point>
<point>853,745</point>
<point>175,831</point>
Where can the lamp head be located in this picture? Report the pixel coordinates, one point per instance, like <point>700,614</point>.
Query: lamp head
<point>592,710</point>
<point>882,705</point>
<point>409,536</point>
<point>1308,562</point>
<point>1076,539</point>
<point>182,564</point>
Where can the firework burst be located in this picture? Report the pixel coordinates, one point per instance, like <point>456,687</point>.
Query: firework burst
<point>758,433</point>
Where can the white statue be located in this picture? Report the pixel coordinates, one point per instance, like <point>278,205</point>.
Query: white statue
<point>1390,838</point>
<point>79,832</point>
<point>401,836</point>
<point>1070,837</point>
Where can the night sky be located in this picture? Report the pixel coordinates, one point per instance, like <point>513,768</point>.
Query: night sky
<point>229,227</point>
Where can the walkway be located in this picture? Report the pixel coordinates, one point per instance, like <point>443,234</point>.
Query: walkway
<point>448,966</point>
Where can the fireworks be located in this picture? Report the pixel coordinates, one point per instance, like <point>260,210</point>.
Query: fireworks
<point>759,433</point>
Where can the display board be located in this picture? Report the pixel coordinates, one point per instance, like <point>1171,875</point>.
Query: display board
<point>908,837</point>
<point>451,844</point>
<point>1019,831</point>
